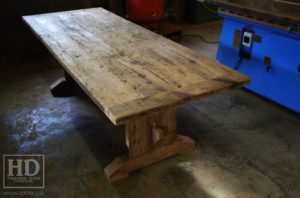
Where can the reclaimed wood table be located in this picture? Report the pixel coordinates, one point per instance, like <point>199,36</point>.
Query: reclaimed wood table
<point>136,77</point>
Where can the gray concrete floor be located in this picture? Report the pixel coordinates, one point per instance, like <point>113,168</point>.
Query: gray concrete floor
<point>248,146</point>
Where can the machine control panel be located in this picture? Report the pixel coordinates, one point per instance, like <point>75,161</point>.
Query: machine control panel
<point>246,44</point>
<point>247,39</point>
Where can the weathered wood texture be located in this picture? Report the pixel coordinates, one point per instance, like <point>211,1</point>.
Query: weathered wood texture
<point>149,132</point>
<point>285,11</point>
<point>149,139</point>
<point>127,70</point>
<point>120,167</point>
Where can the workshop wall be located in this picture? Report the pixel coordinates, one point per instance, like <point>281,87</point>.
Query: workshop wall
<point>17,43</point>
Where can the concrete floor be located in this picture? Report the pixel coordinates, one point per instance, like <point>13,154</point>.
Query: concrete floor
<point>248,146</point>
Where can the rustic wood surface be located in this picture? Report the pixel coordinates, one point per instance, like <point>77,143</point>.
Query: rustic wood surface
<point>127,70</point>
<point>121,166</point>
<point>149,132</point>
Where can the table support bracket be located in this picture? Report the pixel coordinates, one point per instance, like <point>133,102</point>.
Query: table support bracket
<point>149,139</point>
<point>64,86</point>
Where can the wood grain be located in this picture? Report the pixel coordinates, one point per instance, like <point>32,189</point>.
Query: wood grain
<point>120,167</point>
<point>127,70</point>
<point>146,133</point>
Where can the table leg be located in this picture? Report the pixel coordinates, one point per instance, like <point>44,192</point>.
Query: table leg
<point>64,86</point>
<point>149,139</point>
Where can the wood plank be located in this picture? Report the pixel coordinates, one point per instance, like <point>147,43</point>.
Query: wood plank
<point>139,137</point>
<point>176,97</point>
<point>118,63</point>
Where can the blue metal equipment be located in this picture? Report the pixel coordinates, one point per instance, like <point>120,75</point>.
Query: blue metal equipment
<point>270,56</point>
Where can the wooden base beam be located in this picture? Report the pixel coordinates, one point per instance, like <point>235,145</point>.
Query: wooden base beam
<point>65,87</point>
<point>120,168</point>
<point>149,139</point>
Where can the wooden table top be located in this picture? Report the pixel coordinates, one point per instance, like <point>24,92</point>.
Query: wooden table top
<point>127,70</point>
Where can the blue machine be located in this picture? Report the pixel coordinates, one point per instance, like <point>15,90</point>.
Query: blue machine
<point>270,56</point>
